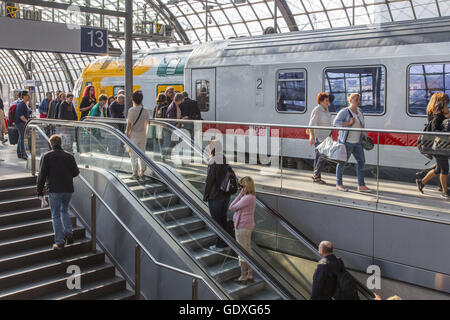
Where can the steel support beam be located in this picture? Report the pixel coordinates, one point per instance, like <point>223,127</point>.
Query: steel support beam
<point>287,15</point>
<point>20,63</point>
<point>65,69</point>
<point>128,55</point>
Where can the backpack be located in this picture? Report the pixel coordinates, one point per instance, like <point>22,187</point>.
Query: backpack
<point>160,112</point>
<point>345,285</point>
<point>12,114</point>
<point>229,183</point>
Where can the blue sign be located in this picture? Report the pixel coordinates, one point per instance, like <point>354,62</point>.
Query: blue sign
<point>94,40</point>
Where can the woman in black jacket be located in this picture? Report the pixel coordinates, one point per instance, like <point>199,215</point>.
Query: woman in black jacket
<point>88,101</point>
<point>437,112</point>
<point>217,199</point>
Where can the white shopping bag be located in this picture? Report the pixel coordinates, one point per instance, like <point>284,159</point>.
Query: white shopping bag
<point>332,150</point>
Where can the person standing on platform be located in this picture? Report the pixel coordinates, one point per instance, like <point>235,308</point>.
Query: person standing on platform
<point>58,168</point>
<point>325,277</point>
<point>88,101</point>
<point>217,199</point>
<point>160,113</point>
<point>170,94</point>
<point>62,98</point>
<point>117,107</point>
<point>21,117</point>
<point>101,108</point>
<point>3,129</point>
<point>352,117</point>
<point>52,107</point>
<point>320,116</point>
<point>137,129</point>
<point>67,110</point>
<point>44,106</point>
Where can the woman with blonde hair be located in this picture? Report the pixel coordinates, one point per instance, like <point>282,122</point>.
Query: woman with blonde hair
<point>352,117</point>
<point>244,223</point>
<point>437,111</point>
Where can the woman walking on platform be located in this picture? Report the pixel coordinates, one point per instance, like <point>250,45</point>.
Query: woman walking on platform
<point>352,117</point>
<point>88,101</point>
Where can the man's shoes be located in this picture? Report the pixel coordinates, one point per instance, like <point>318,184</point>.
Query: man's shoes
<point>420,185</point>
<point>445,195</point>
<point>68,238</point>
<point>58,246</point>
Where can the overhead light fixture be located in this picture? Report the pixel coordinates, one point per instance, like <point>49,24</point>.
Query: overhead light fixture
<point>173,1</point>
<point>239,1</point>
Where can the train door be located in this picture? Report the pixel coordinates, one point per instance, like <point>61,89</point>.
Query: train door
<point>204,91</point>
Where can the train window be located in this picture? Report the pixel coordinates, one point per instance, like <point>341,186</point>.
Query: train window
<point>116,90</point>
<point>423,81</point>
<point>291,91</point>
<point>369,82</point>
<point>202,94</point>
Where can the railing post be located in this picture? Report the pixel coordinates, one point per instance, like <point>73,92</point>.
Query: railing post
<point>94,222</point>
<point>137,272</point>
<point>33,152</point>
<point>378,167</point>
<point>194,289</point>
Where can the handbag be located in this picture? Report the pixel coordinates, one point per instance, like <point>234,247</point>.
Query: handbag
<point>13,135</point>
<point>367,143</point>
<point>332,150</point>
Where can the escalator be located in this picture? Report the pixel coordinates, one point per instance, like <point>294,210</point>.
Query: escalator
<point>175,200</point>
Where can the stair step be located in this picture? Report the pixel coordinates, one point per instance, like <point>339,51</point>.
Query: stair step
<point>24,215</point>
<point>18,181</point>
<point>37,255</point>
<point>18,192</point>
<point>131,182</point>
<point>267,295</point>
<point>27,242</point>
<point>148,189</point>
<point>121,295</point>
<point>19,204</point>
<point>228,269</point>
<point>51,267</point>
<point>94,291</point>
<point>174,212</point>
<point>28,227</point>
<point>49,285</point>
<point>161,200</point>
<point>185,225</point>
<point>211,257</point>
<point>200,239</point>
<point>242,291</point>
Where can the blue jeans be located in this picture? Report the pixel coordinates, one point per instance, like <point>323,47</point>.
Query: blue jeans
<point>59,204</point>
<point>358,152</point>
<point>319,162</point>
<point>21,142</point>
<point>219,209</point>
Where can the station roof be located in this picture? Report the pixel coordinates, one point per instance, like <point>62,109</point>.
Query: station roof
<point>195,21</point>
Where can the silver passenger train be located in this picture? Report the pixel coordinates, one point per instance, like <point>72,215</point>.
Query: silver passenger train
<point>396,67</point>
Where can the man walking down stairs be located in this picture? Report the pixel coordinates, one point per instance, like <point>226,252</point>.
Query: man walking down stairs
<point>31,269</point>
<point>58,168</point>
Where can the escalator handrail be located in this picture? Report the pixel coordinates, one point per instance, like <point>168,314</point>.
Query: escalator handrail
<point>200,209</point>
<point>292,229</point>
<point>138,242</point>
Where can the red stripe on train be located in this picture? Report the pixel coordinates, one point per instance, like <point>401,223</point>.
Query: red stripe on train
<point>391,139</point>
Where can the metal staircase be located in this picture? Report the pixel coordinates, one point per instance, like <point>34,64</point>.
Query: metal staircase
<point>31,269</point>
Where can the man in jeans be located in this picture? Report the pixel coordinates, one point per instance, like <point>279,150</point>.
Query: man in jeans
<point>21,117</point>
<point>58,168</point>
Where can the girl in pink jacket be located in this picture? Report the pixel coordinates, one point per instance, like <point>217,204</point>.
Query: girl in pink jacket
<point>244,223</point>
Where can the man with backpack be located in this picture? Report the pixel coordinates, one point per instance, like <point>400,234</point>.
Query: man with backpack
<point>331,279</point>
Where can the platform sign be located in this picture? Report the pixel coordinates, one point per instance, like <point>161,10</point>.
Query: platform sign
<point>11,11</point>
<point>94,40</point>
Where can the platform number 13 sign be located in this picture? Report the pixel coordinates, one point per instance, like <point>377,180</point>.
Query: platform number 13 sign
<point>94,40</point>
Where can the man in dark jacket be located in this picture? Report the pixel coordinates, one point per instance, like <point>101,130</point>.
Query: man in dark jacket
<point>325,276</point>
<point>67,110</point>
<point>21,117</point>
<point>58,168</point>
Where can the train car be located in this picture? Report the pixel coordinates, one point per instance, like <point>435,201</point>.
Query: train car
<point>153,72</point>
<point>275,79</point>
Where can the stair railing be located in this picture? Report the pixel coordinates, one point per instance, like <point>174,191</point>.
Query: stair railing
<point>139,246</point>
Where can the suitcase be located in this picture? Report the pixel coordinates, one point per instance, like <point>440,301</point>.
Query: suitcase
<point>13,135</point>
